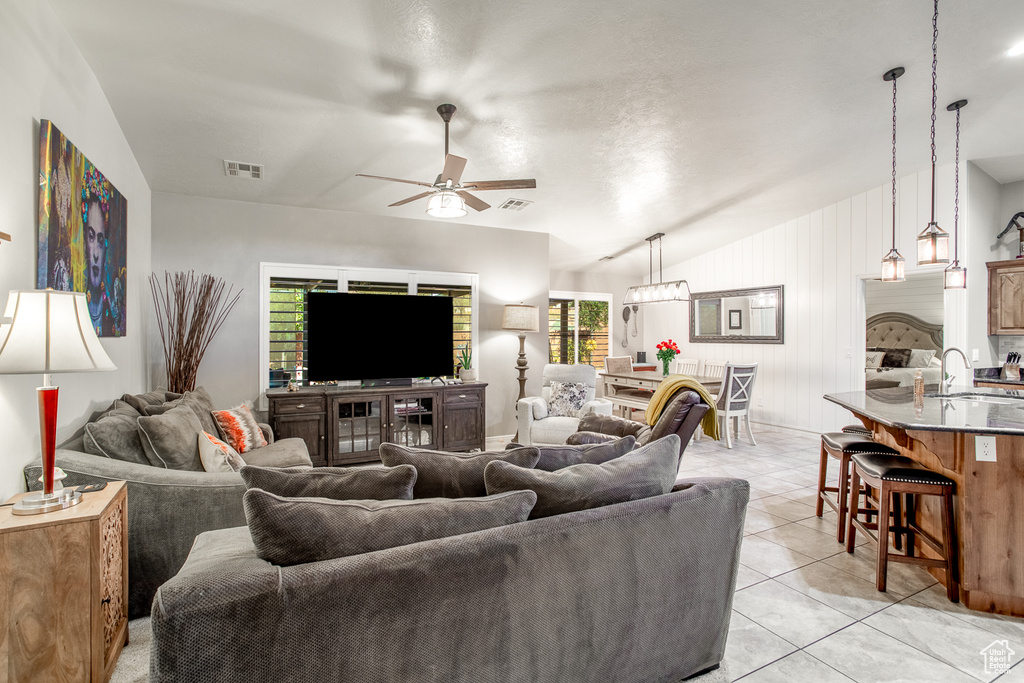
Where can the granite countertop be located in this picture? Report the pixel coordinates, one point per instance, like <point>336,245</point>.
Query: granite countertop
<point>992,375</point>
<point>978,410</point>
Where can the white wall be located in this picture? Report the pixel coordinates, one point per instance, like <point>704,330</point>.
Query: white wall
<point>920,296</point>
<point>821,259</point>
<point>44,76</point>
<point>229,239</point>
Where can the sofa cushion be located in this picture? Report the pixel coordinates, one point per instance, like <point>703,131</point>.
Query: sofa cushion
<point>336,483</point>
<point>171,440</point>
<point>116,435</point>
<point>216,455</point>
<point>288,531</point>
<point>150,398</point>
<point>648,471</point>
<point>290,453</point>
<point>200,403</point>
<point>239,428</point>
<point>567,399</point>
<point>452,475</point>
<point>554,458</point>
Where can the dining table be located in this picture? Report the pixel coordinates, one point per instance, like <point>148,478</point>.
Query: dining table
<point>629,391</point>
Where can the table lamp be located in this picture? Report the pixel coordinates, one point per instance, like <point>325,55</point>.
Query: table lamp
<point>522,319</point>
<point>46,331</point>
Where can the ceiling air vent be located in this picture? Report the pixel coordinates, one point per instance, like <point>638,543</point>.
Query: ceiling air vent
<point>515,204</point>
<point>240,169</point>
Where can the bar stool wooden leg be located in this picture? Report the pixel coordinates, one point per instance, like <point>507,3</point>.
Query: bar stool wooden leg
<point>819,504</point>
<point>884,501</point>
<point>852,510</point>
<point>844,504</point>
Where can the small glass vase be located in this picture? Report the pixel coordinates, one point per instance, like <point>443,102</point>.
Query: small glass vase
<point>664,367</point>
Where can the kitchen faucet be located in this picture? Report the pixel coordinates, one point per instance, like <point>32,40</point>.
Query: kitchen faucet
<point>943,382</point>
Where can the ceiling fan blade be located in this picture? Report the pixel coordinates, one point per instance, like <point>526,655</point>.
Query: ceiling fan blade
<point>412,199</point>
<point>394,180</point>
<point>474,202</point>
<point>525,184</point>
<point>453,167</point>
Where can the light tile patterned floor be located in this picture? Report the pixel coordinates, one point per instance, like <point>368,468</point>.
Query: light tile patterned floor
<point>806,610</point>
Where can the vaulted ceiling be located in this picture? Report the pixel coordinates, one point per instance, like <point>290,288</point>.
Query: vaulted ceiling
<point>702,119</point>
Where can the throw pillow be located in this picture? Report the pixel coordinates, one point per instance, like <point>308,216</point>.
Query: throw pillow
<point>896,358</point>
<point>873,359</point>
<point>200,403</point>
<point>920,358</point>
<point>336,483</point>
<point>553,458</point>
<point>150,398</point>
<point>171,440</point>
<point>567,399</point>
<point>452,475</point>
<point>239,428</point>
<point>648,471</point>
<point>116,436</point>
<point>217,456</point>
<point>288,531</point>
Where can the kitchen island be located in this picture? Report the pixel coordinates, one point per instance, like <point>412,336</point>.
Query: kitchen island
<point>974,436</point>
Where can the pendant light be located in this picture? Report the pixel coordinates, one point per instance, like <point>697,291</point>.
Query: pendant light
<point>933,242</point>
<point>893,265</point>
<point>662,292</point>
<point>955,277</point>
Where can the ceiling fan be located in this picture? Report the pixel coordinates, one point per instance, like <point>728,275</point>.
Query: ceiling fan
<point>448,194</point>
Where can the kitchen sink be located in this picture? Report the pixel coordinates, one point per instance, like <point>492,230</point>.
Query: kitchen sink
<point>982,398</point>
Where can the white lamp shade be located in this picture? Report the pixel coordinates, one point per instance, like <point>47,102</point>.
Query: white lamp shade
<point>446,205</point>
<point>46,331</point>
<point>521,318</point>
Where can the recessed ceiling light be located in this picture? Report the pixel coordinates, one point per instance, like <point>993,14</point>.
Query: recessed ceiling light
<point>1016,50</point>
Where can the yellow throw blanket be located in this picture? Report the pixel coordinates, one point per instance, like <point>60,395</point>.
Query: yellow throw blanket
<point>668,388</point>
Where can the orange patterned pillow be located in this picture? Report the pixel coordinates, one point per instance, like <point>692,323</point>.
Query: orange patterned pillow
<point>239,429</point>
<point>217,456</point>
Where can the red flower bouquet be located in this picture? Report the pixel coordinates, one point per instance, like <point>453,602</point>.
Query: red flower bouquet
<point>667,351</point>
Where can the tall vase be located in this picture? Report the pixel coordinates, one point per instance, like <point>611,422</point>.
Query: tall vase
<point>664,366</point>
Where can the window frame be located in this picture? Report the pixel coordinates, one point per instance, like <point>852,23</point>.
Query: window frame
<point>343,275</point>
<point>584,296</point>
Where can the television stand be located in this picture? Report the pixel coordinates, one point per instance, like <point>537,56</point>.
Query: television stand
<point>397,382</point>
<point>346,425</point>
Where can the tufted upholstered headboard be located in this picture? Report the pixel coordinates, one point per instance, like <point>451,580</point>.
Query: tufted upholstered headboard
<point>902,331</point>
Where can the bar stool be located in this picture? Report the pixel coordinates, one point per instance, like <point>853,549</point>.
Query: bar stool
<point>900,476</point>
<point>856,429</point>
<point>841,446</point>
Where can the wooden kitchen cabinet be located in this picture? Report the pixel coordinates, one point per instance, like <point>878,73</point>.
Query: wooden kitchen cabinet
<point>64,590</point>
<point>1006,297</point>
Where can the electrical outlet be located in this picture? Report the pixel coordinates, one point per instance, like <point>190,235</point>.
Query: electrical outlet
<point>760,402</point>
<point>975,356</point>
<point>985,449</point>
<point>849,352</point>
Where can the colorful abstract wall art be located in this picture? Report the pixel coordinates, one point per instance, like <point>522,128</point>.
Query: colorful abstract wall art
<point>83,231</point>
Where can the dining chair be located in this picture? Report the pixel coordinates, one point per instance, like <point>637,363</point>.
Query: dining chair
<point>734,399</point>
<point>686,366</point>
<point>714,369</point>
<point>618,364</point>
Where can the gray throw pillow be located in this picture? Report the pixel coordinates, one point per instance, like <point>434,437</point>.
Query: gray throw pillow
<point>336,483</point>
<point>116,435</point>
<point>452,475</point>
<point>150,398</point>
<point>553,458</point>
<point>648,471</point>
<point>896,358</point>
<point>288,531</point>
<point>170,440</point>
<point>200,403</point>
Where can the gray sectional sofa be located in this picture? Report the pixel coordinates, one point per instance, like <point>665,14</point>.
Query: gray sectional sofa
<point>635,591</point>
<point>167,508</point>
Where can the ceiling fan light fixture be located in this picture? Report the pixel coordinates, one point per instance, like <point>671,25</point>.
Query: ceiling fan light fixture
<point>446,205</point>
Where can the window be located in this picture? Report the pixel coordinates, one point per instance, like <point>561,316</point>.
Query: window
<point>579,327</point>
<point>283,323</point>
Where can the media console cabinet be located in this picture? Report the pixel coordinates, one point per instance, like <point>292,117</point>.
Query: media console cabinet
<point>344,425</point>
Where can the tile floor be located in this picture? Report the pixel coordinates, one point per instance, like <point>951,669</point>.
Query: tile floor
<point>806,610</point>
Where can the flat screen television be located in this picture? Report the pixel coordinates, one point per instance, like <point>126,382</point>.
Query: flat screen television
<point>378,336</point>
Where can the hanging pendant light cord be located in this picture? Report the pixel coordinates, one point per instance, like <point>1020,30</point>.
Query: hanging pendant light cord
<point>894,163</point>
<point>935,64</point>
<point>956,194</point>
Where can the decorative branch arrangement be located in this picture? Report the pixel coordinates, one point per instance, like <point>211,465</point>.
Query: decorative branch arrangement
<point>190,309</point>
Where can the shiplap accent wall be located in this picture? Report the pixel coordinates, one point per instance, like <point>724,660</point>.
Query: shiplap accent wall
<point>822,259</point>
<point>920,296</point>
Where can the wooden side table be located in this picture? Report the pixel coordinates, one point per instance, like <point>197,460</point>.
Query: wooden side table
<point>64,589</point>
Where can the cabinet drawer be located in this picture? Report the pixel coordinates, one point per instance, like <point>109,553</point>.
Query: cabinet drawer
<point>287,406</point>
<point>467,396</point>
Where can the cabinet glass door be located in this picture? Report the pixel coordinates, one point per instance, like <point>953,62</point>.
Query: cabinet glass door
<point>412,421</point>
<point>359,425</point>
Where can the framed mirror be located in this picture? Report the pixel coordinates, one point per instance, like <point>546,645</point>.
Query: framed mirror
<point>737,316</point>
